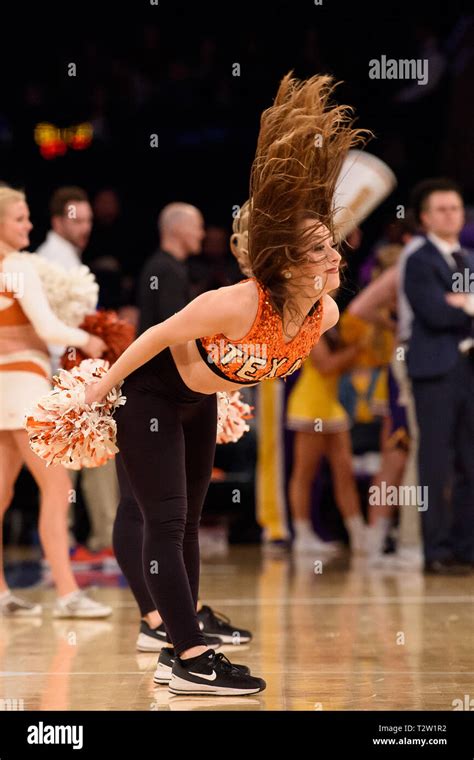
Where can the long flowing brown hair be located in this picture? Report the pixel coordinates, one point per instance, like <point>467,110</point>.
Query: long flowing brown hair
<point>302,143</point>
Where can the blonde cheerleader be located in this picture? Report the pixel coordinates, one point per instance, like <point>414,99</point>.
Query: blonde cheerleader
<point>26,324</point>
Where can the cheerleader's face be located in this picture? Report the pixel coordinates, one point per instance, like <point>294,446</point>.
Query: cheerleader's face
<point>15,226</point>
<point>323,259</point>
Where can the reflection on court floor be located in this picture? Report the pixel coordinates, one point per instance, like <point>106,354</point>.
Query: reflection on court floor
<point>344,638</point>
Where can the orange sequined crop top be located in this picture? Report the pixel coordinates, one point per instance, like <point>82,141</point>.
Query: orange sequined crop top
<point>262,353</point>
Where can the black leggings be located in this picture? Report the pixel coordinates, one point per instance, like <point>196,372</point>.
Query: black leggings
<point>166,434</point>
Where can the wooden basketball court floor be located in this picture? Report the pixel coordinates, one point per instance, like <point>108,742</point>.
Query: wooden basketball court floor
<point>349,638</point>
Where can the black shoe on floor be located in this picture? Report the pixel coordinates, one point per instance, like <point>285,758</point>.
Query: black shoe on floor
<point>446,567</point>
<point>212,673</point>
<point>154,639</point>
<point>165,666</point>
<point>215,624</point>
<point>151,639</point>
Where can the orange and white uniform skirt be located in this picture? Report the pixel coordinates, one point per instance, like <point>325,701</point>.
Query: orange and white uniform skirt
<point>25,368</point>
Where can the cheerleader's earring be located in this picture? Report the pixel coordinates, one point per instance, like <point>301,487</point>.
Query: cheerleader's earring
<point>287,274</point>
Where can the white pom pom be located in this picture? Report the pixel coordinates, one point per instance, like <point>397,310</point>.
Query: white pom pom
<point>71,293</point>
<point>231,415</point>
<point>63,429</point>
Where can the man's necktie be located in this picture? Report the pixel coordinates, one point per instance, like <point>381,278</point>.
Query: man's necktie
<point>462,264</point>
<point>460,260</point>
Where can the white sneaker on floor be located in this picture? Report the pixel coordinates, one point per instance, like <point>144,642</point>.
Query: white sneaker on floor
<point>79,605</point>
<point>314,545</point>
<point>13,606</point>
<point>377,559</point>
<point>409,558</point>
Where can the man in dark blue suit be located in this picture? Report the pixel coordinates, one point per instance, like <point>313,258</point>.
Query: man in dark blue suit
<point>439,284</point>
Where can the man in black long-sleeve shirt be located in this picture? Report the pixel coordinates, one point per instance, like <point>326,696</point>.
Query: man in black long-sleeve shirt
<point>163,287</point>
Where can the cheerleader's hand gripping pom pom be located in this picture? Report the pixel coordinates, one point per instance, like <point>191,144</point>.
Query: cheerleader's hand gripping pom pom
<point>63,429</point>
<point>231,416</point>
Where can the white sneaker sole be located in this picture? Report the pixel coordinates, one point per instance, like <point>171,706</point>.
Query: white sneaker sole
<point>234,640</point>
<point>181,686</point>
<point>329,550</point>
<point>148,644</point>
<point>36,611</point>
<point>162,674</point>
<point>84,615</point>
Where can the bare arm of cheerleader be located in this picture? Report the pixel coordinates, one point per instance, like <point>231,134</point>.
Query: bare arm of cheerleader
<point>329,362</point>
<point>211,312</point>
<point>35,304</point>
<point>371,303</point>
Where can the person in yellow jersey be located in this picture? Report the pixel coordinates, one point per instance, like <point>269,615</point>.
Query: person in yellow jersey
<point>322,429</point>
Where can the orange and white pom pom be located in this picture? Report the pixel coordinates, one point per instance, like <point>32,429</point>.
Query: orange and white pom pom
<point>231,416</point>
<point>116,334</point>
<point>63,429</point>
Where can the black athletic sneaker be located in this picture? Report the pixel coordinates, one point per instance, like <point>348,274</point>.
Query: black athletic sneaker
<point>216,624</point>
<point>212,673</point>
<point>154,639</point>
<point>151,639</point>
<point>165,666</point>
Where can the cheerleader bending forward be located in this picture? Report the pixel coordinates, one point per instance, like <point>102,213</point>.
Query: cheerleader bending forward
<point>259,329</point>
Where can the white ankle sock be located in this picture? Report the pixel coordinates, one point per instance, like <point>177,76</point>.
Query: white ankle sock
<point>377,534</point>
<point>354,524</point>
<point>303,529</point>
<point>69,596</point>
<point>357,530</point>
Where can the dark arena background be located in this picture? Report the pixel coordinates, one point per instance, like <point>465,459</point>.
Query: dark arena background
<point>337,533</point>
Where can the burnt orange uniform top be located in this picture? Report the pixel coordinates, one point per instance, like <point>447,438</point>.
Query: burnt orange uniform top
<point>262,353</point>
<point>18,334</point>
<point>26,323</point>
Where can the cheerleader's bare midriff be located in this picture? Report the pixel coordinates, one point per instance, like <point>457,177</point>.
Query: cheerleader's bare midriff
<point>195,374</point>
